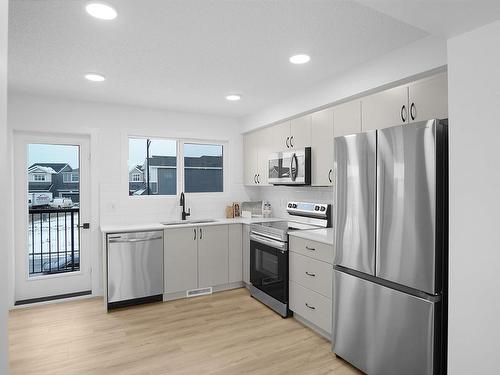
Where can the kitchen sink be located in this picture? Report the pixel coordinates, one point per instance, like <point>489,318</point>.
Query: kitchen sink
<point>184,222</point>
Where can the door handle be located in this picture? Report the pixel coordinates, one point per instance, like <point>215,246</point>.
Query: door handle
<point>201,234</point>
<point>403,113</point>
<point>194,239</point>
<point>413,110</point>
<point>291,144</point>
<point>293,171</point>
<point>84,226</point>
<point>310,274</point>
<point>286,142</point>
<point>311,307</point>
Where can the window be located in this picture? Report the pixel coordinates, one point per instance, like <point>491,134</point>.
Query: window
<point>158,159</point>
<point>71,177</point>
<point>203,168</point>
<point>39,177</point>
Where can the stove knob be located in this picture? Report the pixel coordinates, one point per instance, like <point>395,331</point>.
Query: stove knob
<point>316,208</point>
<point>289,205</point>
<point>323,208</point>
<point>294,205</point>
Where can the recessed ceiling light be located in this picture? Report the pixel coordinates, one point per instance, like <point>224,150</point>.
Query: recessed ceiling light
<point>95,77</point>
<point>233,97</point>
<point>101,11</point>
<point>299,59</point>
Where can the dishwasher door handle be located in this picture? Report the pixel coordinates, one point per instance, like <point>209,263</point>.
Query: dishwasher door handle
<point>133,240</point>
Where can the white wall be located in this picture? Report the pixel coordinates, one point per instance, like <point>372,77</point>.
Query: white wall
<point>5,218</point>
<point>109,126</point>
<point>474,100</point>
<point>398,66</point>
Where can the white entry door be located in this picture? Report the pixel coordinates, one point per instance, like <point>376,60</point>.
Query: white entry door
<point>51,212</point>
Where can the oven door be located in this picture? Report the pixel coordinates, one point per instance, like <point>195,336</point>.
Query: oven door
<point>269,266</point>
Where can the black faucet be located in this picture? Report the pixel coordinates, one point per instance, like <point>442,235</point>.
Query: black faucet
<point>183,205</point>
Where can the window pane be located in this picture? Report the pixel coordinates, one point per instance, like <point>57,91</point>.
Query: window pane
<point>154,160</point>
<point>203,168</point>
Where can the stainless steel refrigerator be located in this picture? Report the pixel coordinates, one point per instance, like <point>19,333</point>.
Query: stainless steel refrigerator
<point>390,266</point>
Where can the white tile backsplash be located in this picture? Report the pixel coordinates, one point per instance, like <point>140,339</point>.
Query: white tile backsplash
<point>279,196</point>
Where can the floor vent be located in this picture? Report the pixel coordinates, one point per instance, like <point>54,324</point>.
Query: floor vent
<point>198,292</point>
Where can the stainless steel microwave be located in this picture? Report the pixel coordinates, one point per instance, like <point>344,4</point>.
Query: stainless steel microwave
<point>290,167</point>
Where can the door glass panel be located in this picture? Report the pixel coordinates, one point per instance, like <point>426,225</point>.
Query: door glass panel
<point>268,270</point>
<point>53,209</point>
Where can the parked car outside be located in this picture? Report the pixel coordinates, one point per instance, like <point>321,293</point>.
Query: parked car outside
<point>61,203</point>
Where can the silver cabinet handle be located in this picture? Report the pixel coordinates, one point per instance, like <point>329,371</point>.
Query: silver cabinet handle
<point>286,142</point>
<point>310,274</point>
<point>291,144</point>
<point>194,234</point>
<point>201,234</point>
<point>330,175</point>
<point>254,178</point>
<point>403,113</point>
<point>311,307</point>
<point>310,248</point>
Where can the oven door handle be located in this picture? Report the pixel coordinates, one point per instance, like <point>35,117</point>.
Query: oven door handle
<point>267,241</point>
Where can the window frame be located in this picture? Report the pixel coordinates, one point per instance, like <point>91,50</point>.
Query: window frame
<point>180,166</point>
<point>43,177</point>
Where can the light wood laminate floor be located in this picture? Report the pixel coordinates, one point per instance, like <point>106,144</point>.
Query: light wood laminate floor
<point>225,333</point>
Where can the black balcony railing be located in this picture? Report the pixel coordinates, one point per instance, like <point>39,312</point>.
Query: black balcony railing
<point>53,241</point>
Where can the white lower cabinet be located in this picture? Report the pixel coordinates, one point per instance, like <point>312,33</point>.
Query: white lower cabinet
<point>311,282</point>
<point>200,257</point>
<point>212,255</point>
<point>311,305</point>
<point>246,254</point>
<point>235,234</point>
<point>181,259</point>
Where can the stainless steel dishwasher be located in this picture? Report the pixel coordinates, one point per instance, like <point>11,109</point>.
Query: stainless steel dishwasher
<point>135,268</point>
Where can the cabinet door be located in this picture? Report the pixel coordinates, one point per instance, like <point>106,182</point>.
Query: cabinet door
<point>280,137</point>
<point>347,118</point>
<point>181,253</point>
<point>235,253</point>
<point>385,109</point>
<point>429,98</point>
<point>251,153</point>
<point>212,255</point>
<point>322,148</point>
<point>264,148</point>
<point>300,132</point>
<point>246,253</point>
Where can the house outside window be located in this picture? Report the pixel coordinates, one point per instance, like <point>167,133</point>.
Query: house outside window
<point>39,177</point>
<point>71,177</point>
<point>136,177</point>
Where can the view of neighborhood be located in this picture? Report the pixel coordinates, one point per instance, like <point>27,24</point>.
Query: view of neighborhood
<point>53,241</point>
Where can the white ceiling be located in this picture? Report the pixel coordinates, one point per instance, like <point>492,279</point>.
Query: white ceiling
<point>188,54</point>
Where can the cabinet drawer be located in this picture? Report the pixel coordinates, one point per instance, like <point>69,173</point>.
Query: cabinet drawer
<point>311,273</point>
<point>311,305</point>
<point>313,249</point>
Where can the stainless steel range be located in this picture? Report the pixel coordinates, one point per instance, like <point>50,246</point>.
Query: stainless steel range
<point>269,252</point>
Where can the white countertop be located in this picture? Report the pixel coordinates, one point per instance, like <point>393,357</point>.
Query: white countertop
<point>323,235</point>
<point>119,228</point>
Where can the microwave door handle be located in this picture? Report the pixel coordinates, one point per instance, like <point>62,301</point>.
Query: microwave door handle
<point>293,171</point>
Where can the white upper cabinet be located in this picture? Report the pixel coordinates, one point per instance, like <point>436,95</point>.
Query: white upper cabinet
<point>322,147</point>
<point>418,101</point>
<point>385,109</point>
<point>347,118</point>
<point>250,144</point>
<point>280,137</point>
<point>300,132</point>
<point>429,98</point>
